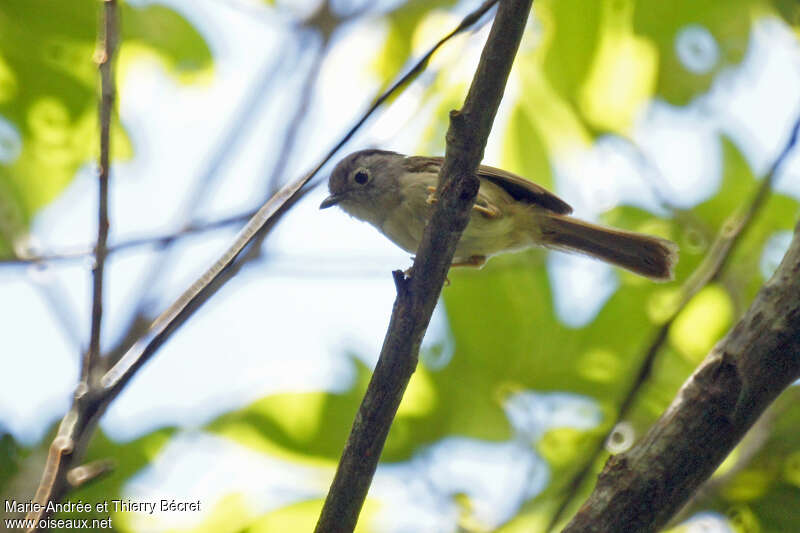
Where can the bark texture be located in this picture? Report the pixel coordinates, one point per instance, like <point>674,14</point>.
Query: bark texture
<point>641,489</point>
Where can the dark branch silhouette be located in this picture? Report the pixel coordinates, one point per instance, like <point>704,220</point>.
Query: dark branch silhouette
<point>642,488</point>
<point>417,294</point>
<point>91,400</point>
<point>55,479</point>
<point>707,271</point>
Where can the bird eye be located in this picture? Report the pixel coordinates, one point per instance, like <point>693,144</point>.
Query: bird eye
<point>361,176</point>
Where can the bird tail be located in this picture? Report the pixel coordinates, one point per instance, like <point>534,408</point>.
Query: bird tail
<point>643,254</point>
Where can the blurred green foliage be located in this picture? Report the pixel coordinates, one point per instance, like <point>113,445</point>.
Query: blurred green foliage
<point>594,65</point>
<point>48,94</point>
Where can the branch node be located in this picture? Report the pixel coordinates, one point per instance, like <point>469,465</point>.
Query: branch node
<point>62,445</point>
<point>81,475</point>
<point>81,390</point>
<point>470,189</point>
<point>100,57</point>
<point>400,280</point>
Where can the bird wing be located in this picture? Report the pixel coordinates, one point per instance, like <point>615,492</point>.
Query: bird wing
<point>524,190</point>
<point>519,188</point>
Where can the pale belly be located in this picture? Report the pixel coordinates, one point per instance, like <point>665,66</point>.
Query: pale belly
<point>483,236</point>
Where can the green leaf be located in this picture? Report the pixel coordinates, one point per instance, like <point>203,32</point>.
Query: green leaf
<point>402,22</point>
<point>49,94</point>
<point>572,31</point>
<point>308,427</point>
<point>714,32</point>
<point>524,151</point>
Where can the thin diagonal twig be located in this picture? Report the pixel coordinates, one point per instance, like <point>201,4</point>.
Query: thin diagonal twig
<point>284,199</point>
<point>419,66</point>
<point>708,270</point>
<point>61,307</point>
<point>240,124</point>
<point>255,248</point>
<point>89,404</point>
<point>298,118</point>
<point>238,127</point>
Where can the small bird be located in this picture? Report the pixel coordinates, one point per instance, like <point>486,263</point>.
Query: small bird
<point>396,194</point>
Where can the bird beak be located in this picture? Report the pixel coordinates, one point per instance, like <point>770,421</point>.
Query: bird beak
<point>330,201</point>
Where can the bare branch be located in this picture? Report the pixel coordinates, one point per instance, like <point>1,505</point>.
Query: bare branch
<point>417,295</point>
<point>189,229</point>
<point>707,271</point>
<point>298,117</point>
<point>89,473</point>
<point>105,60</point>
<point>91,402</point>
<point>78,253</point>
<point>54,484</point>
<point>639,490</point>
<point>266,216</point>
<point>135,328</point>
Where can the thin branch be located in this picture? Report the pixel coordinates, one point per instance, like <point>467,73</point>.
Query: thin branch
<point>255,248</point>
<point>61,457</point>
<point>61,307</point>
<point>165,240</point>
<point>105,60</point>
<point>708,270</point>
<point>239,125</point>
<point>80,476</point>
<point>81,252</point>
<point>417,295</point>
<point>136,329</point>
<point>640,489</point>
<point>298,118</point>
<point>243,119</point>
<point>189,229</point>
<point>267,215</point>
<point>90,403</point>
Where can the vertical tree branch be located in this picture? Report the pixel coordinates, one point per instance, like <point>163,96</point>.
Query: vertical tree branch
<point>417,295</point>
<point>62,454</point>
<point>640,490</point>
<point>105,60</point>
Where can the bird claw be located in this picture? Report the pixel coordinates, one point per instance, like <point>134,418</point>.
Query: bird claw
<point>431,199</point>
<point>488,212</point>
